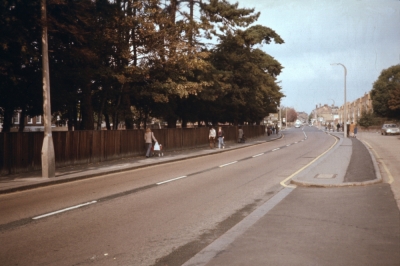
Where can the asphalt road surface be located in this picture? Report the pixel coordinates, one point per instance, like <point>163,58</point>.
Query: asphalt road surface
<point>161,215</point>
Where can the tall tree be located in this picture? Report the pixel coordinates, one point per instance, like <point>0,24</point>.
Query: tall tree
<point>385,96</point>
<point>251,73</point>
<point>19,59</point>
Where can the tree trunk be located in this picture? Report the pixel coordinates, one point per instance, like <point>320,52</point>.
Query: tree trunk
<point>76,117</point>
<point>171,120</point>
<point>70,119</point>
<point>191,7</point>
<point>87,110</point>
<point>22,120</point>
<point>184,123</point>
<point>128,116</point>
<point>8,114</point>
<point>107,120</point>
<point>116,113</point>
<point>145,120</point>
<point>100,120</point>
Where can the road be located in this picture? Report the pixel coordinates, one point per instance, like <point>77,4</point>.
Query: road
<point>386,150</point>
<point>165,214</point>
<point>132,220</point>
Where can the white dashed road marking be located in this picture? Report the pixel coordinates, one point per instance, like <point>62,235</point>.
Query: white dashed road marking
<point>170,180</point>
<point>64,210</point>
<point>227,164</point>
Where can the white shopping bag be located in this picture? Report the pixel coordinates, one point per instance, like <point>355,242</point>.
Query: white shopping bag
<point>156,146</point>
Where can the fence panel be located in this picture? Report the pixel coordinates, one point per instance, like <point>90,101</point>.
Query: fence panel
<point>189,136</point>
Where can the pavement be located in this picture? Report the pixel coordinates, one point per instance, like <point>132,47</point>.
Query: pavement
<point>347,163</point>
<point>319,187</point>
<point>337,211</point>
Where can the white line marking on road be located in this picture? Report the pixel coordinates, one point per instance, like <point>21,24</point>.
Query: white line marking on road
<point>288,145</point>
<point>170,180</point>
<point>227,164</point>
<point>296,142</point>
<point>276,149</point>
<point>64,210</point>
<point>254,156</point>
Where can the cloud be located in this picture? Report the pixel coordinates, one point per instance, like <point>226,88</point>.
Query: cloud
<point>363,35</point>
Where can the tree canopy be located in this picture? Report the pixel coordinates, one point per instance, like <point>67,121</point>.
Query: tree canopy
<point>129,60</point>
<point>386,93</point>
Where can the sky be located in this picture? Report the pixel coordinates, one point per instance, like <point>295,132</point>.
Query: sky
<point>363,35</point>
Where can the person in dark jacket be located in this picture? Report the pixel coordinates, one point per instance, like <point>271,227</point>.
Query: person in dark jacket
<point>220,135</point>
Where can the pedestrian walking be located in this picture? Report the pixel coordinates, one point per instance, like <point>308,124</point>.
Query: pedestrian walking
<point>355,131</point>
<point>148,139</point>
<point>211,137</point>
<point>351,130</point>
<point>338,127</point>
<point>241,135</point>
<point>221,138</point>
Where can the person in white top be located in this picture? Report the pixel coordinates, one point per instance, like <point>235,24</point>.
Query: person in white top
<point>211,137</point>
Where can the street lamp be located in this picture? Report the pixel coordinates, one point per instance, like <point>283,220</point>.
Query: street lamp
<point>345,102</point>
<point>286,118</point>
<point>279,116</point>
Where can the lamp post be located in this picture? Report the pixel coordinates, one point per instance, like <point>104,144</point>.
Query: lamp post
<point>345,102</point>
<point>286,122</point>
<point>279,113</point>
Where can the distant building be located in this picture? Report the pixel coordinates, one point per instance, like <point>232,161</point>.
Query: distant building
<point>324,114</point>
<point>32,123</point>
<point>302,116</point>
<point>272,118</point>
<point>356,108</point>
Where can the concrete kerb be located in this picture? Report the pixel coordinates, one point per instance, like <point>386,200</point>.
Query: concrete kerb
<point>347,184</point>
<point>66,179</point>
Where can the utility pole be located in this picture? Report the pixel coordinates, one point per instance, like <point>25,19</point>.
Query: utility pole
<point>345,101</point>
<point>48,157</point>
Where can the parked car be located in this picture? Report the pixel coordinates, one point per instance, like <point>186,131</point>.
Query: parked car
<point>390,129</point>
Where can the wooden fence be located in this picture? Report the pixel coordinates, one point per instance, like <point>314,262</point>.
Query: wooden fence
<point>21,151</point>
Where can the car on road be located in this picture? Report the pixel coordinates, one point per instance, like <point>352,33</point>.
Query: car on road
<point>297,123</point>
<point>390,129</point>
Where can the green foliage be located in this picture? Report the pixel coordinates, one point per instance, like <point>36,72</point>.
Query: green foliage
<point>386,93</point>
<point>128,60</point>
<point>252,92</point>
<point>19,58</point>
<point>367,119</point>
